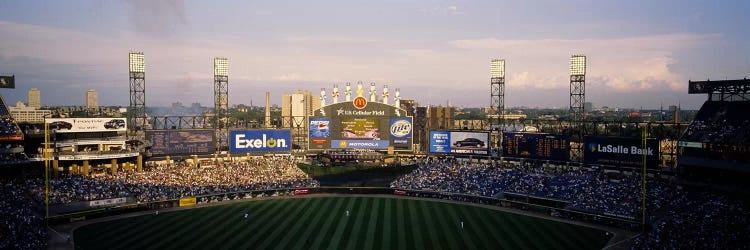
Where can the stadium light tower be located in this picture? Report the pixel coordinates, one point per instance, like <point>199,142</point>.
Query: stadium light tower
<point>497,86</point>
<point>221,102</point>
<point>577,86</point>
<point>137,109</point>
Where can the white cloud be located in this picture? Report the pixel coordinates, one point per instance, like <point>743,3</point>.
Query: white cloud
<point>623,64</point>
<point>333,39</point>
<point>450,10</point>
<point>453,10</point>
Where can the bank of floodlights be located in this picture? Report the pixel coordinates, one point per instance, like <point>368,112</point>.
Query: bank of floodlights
<point>577,65</point>
<point>137,62</point>
<point>497,68</point>
<point>221,67</point>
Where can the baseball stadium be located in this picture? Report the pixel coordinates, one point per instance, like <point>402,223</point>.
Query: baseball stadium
<point>359,168</point>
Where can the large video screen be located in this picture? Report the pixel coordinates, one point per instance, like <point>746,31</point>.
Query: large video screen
<point>360,128</point>
<point>536,146</point>
<point>459,142</point>
<point>361,133</point>
<point>181,142</point>
<point>371,125</point>
<point>620,151</point>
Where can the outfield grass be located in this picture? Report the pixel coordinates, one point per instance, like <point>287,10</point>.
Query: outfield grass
<point>321,223</point>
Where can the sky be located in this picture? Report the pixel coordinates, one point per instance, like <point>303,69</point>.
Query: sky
<point>640,54</point>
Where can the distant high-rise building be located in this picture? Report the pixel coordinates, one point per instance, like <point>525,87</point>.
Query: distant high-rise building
<point>296,107</point>
<point>35,98</point>
<point>268,110</point>
<point>675,113</point>
<point>28,114</point>
<point>92,99</point>
<point>408,105</point>
<point>588,106</point>
<point>440,117</point>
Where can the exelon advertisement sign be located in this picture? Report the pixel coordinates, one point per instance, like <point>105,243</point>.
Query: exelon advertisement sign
<point>260,141</point>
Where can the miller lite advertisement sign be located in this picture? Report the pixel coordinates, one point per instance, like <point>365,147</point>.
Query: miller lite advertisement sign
<point>401,130</point>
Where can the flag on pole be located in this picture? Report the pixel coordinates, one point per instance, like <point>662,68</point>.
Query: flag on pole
<point>8,82</point>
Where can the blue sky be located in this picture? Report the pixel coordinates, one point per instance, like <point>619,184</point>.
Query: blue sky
<point>640,53</point>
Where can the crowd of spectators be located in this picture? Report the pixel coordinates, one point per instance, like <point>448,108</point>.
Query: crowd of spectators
<point>681,219</point>
<point>588,190</point>
<point>8,126</point>
<point>722,123</point>
<point>698,220</point>
<point>12,153</point>
<point>172,181</point>
<point>21,218</point>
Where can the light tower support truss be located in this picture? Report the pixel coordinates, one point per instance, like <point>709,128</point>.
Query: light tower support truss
<point>497,87</point>
<point>137,109</point>
<point>577,86</point>
<point>221,102</point>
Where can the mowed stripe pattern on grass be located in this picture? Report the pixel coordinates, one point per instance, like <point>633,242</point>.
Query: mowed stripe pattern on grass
<point>321,223</point>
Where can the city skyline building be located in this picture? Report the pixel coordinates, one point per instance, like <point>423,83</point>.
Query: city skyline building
<point>92,99</point>
<point>34,98</point>
<point>296,107</point>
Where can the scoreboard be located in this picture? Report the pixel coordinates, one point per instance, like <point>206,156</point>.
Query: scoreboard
<point>360,125</point>
<point>536,146</point>
<point>181,142</point>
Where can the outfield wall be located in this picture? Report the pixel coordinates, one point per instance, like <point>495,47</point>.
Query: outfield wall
<point>557,210</point>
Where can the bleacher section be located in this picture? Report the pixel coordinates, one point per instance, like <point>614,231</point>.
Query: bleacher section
<point>11,138</point>
<point>9,130</point>
<point>3,108</point>
<point>715,148</point>
<point>723,123</point>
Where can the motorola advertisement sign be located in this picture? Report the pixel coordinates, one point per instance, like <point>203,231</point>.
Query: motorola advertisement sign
<point>260,141</point>
<point>360,124</point>
<point>620,151</point>
<point>360,144</point>
<point>459,142</point>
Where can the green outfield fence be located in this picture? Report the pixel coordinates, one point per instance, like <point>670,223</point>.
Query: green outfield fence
<point>514,201</point>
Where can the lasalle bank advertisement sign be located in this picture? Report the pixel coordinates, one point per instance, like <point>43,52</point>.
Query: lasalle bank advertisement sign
<point>620,151</point>
<point>260,141</point>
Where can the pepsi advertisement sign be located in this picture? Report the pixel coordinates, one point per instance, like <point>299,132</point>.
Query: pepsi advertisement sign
<point>320,127</point>
<point>360,144</point>
<point>440,142</point>
<point>260,141</point>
